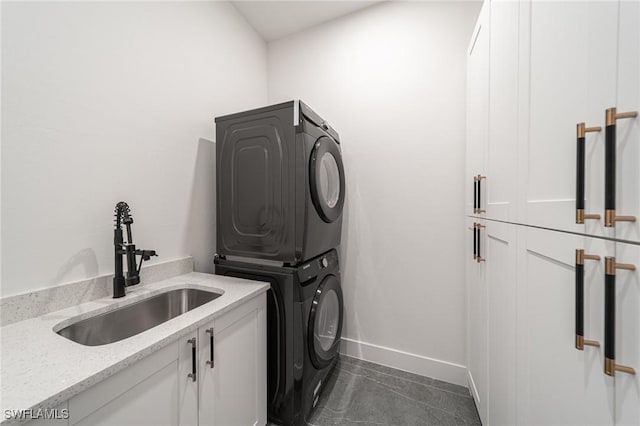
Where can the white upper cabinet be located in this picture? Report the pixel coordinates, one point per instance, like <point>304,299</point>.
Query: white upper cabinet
<point>477,115</point>
<point>582,60</point>
<point>628,130</point>
<point>571,62</point>
<point>541,77</point>
<point>502,150</point>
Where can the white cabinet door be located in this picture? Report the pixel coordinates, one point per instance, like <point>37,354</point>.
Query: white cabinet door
<point>502,149</point>
<point>206,376</point>
<point>627,335</point>
<point>234,392</point>
<point>188,388</point>
<point>477,108</point>
<point>501,296</point>
<point>628,130</point>
<point>572,58</point>
<point>143,394</point>
<point>477,317</point>
<point>557,383</point>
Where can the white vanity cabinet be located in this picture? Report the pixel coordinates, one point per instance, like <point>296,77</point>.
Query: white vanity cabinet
<point>158,390</point>
<point>231,369</point>
<point>146,393</point>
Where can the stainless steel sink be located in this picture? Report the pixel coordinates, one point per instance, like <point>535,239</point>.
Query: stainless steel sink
<point>132,319</point>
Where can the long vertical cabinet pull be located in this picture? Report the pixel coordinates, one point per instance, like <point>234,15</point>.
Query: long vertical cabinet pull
<point>580,340</point>
<point>610,217</point>
<point>475,196</point>
<point>581,132</point>
<point>192,375</point>
<point>475,240</point>
<point>210,333</point>
<point>479,258</point>
<point>610,366</point>
<point>479,209</point>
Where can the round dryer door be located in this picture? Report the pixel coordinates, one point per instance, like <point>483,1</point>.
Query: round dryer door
<point>325,322</point>
<point>327,179</point>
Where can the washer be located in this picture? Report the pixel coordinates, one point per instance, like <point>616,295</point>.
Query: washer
<point>304,325</point>
<point>280,184</point>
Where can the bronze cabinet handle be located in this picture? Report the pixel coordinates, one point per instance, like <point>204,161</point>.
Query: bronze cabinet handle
<point>610,366</point>
<point>479,258</point>
<point>475,195</point>
<point>479,209</point>
<point>580,340</point>
<point>475,240</point>
<point>610,217</point>
<point>581,131</point>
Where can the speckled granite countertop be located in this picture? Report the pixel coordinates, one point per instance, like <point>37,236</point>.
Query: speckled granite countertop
<point>41,369</point>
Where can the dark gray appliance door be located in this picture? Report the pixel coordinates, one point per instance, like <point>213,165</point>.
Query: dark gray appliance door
<point>326,179</point>
<point>255,186</point>
<point>325,322</point>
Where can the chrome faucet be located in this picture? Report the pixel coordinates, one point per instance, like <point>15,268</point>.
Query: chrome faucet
<point>123,217</point>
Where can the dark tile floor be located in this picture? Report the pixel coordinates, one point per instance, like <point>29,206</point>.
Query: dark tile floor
<point>364,393</point>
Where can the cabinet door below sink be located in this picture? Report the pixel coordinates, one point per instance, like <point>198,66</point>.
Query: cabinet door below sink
<point>234,391</point>
<point>143,394</point>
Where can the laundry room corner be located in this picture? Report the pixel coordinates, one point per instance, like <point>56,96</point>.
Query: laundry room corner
<point>260,212</point>
<point>392,79</point>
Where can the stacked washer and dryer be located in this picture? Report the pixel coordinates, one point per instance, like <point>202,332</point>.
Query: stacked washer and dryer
<point>280,194</point>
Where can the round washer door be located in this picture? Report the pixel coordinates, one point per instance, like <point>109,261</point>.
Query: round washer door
<point>325,322</point>
<point>326,177</point>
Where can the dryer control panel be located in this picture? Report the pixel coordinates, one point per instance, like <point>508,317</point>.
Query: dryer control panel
<point>327,263</point>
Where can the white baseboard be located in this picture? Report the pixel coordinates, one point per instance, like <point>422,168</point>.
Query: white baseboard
<point>472,387</point>
<point>413,363</point>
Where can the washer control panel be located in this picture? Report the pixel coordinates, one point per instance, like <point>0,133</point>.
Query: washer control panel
<point>316,266</point>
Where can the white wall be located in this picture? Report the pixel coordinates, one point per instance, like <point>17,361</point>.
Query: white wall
<point>111,101</point>
<point>391,80</point>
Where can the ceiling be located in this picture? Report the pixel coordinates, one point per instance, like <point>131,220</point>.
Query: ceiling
<point>276,19</point>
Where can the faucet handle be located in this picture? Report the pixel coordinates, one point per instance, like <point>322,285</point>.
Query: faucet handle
<point>146,254</point>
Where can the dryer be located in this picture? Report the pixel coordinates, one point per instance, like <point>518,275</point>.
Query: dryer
<point>304,326</point>
<point>280,184</point>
